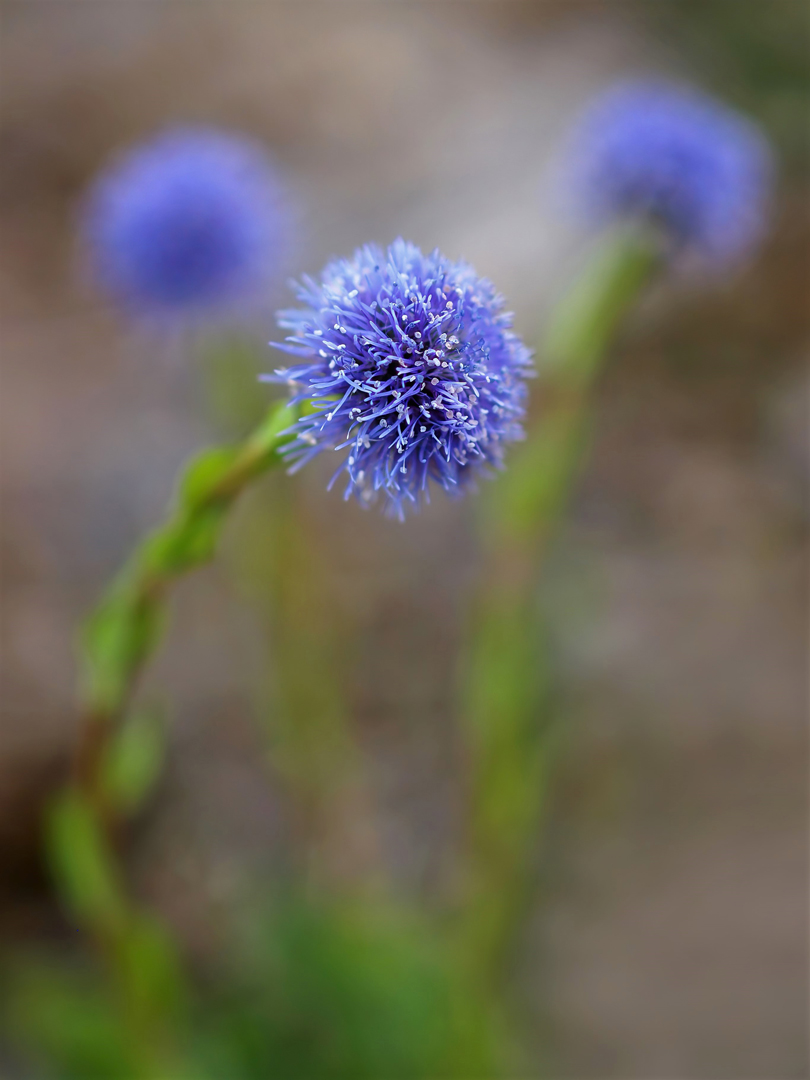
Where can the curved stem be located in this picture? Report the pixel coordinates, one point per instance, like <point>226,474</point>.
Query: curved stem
<point>124,631</point>
<point>119,639</point>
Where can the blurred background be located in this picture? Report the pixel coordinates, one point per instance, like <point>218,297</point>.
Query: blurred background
<point>669,934</point>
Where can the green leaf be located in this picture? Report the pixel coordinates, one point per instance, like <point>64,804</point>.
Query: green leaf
<point>209,470</point>
<point>67,1022</point>
<point>352,991</point>
<point>279,418</point>
<point>204,472</point>
<point>133,761</point>
<point>200,537</point>
<point>80,861</point>
<point>186,541</point>
<point>117,637</point>
<point>149,967</point>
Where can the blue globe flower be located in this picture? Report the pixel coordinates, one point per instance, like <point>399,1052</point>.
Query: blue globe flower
<point>411,363</point>
<point>188,223</point>
<point>667,153</point>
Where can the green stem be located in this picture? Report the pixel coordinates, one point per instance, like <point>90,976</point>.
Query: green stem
<point>125,630</point>
<point>504,677</point>
<point>280,565</point>
<point>119,639</point>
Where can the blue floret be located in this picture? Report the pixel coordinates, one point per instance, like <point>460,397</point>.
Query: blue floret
<point>665,152</point>
<point>411,363</point>
<point>191,222</point>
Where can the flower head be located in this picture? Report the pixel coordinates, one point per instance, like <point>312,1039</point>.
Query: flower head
<point>665,152</point>
<point>190,222</point>
<point>410,362</point>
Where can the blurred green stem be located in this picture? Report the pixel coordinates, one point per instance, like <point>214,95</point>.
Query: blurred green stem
<point>125,630</point>
<point>119,638</point>
<point>504,673</point>
<point>279,560</point>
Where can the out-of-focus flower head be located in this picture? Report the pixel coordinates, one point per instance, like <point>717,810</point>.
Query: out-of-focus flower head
<point>411,362</point>
<point>665,152</point>
<point>191,222</point>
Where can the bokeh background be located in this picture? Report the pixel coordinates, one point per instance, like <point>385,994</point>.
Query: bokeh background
<point>669,931</point>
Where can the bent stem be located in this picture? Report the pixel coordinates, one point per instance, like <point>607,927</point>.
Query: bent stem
<point>504,677</point>
<point>119,639</point>
<point>126,628</point>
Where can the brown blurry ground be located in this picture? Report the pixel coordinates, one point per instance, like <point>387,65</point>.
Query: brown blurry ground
<point>669,938</point>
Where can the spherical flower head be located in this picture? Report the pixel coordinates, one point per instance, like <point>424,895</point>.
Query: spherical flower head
<point>666,153</point>
<point>189,223</point>
<point>411,363</point>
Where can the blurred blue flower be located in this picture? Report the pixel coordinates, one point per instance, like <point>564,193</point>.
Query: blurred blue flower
<point>190,222</point>
<point>659,150</point>
<point>410,362</point>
